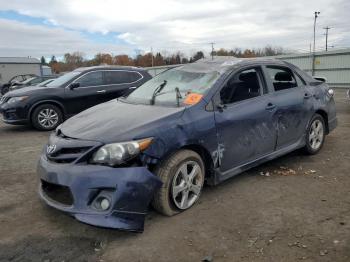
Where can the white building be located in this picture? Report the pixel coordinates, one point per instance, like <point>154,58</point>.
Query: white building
<point>46,70</point>
<point>12,66</point>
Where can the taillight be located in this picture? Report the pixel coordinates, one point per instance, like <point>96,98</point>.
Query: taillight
<point>330,92</point>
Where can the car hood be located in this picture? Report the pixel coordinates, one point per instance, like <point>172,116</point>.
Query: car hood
<point>117,121</point>
<point>26,90</point>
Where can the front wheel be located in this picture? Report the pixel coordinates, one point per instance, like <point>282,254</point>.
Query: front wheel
<point>4,90</point>
<point>315,135</point>
<point>46,117</point>
<point>182,175</point>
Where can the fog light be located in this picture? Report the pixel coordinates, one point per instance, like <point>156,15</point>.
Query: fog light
<point>104,203</point>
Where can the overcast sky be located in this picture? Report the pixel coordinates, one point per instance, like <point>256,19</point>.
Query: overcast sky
<point>54,27</point>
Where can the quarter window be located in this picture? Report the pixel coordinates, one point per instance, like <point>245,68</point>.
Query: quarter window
<point>91,79</point>
<point>242,86</point>
<point>121,77</point>
<point>281,77</point>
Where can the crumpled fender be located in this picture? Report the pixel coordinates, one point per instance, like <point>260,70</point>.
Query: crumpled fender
<point>129,189</point>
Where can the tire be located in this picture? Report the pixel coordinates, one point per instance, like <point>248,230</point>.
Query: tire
<point>315,135</point>
<point>51,113</point>
<point>172,173</point>
<point>4,90</point>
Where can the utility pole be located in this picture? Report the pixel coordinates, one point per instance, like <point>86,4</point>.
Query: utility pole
<point>314,48</point>
<point>152,56</point>
<point>212,51</point>
<point>326,28</point>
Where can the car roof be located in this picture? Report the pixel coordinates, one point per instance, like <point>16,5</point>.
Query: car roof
<point>109,67</point>
<point>224,64</point>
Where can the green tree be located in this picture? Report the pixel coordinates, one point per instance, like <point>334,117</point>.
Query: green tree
<point>53,59</point>
<point>197,56</point>
<point>43,60</point>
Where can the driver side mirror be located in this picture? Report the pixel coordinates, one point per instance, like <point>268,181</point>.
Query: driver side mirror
<point>74,85</point>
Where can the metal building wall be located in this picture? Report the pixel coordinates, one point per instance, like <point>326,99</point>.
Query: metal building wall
<point>333,65</point>
<point>7,71</point>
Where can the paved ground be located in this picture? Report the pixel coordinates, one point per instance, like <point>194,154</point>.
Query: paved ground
<point>248,218</point>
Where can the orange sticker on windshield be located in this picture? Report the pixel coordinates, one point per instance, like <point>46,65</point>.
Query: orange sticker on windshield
<point>192,99</point>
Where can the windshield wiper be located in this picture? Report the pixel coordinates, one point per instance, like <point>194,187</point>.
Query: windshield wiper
<point>157,91</point>
<point>178,96</point>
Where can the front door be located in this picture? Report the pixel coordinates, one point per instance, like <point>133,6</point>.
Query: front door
<point>91,91</point>
<point>244,121</point>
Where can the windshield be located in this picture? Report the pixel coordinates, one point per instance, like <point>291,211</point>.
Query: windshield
<point>44,83</point>
<point>178,86</point>
<point>36,81</point>
<point>28,80</point>
<point>63,79</point>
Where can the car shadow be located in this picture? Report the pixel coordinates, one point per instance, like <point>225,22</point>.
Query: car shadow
<point>19,129</point>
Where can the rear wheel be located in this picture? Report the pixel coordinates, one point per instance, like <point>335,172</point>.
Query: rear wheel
<point>46,117</point>
<point>182,175</point>
<point>315,135</point>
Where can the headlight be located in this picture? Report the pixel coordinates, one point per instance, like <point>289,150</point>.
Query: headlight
<point>119,153</point>
<point>16,99</point>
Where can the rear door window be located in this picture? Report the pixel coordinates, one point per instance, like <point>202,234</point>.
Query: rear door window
<point>282,78</point>
<point>121,77</point>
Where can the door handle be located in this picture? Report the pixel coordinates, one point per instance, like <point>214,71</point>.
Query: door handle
<point>221,107</point>
<point>307,95</point>
<point>270,106</point>
<point>133,87</point>
<point>101,91</point>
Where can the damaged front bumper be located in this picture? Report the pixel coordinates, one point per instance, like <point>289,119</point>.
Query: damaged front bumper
<point>79,190</point>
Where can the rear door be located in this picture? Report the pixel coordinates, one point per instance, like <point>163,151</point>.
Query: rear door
<point>244,122</point>
<point>293,101</point>
<point>121,82</point>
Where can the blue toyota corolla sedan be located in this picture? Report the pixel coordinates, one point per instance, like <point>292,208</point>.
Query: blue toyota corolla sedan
<point>198,123</point>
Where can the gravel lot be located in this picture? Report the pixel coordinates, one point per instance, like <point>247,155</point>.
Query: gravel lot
<point>286,216</point>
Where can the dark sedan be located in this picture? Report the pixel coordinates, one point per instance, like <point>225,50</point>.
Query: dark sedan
<point>33,81</point>
<point>201,122</point>
<point>16,79</point>
<point>45,107</point>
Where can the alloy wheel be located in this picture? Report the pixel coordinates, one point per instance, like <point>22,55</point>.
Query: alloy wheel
<point>187,185</point>
<point>48,118</point>
<point>316,134</point>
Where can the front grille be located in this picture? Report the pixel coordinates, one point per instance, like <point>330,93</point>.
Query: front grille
<point>68,155</point>
<point>58,193</point>
<point>65,150</point>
